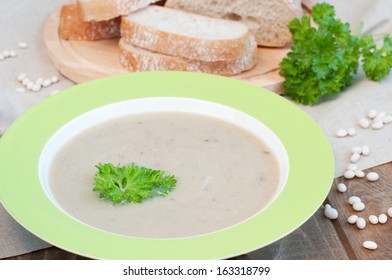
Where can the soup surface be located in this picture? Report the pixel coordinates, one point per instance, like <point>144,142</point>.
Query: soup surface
<point>224,174</point>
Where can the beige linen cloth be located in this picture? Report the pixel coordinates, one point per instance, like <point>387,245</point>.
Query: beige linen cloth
<point>23,20</point>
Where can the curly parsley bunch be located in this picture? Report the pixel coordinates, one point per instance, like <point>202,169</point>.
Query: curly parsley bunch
<point>322,60</point>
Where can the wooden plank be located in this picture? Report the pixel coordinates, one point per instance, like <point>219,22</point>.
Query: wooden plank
<point>314,240</point>
<point>81,61</point>
<point>377,196</point>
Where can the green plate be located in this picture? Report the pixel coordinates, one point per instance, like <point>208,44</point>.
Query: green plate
<point>310,159</point>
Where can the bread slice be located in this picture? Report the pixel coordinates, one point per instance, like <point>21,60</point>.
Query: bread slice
<point>73,27</point>
<point>266,19</point>
<point>183,34</point>
<point>137,59</point>
<point>107,9</point>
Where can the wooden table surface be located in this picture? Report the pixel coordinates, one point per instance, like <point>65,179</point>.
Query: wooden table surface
<point>319,238</point>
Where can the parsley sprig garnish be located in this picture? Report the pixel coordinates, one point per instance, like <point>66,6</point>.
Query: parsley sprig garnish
<point>131,183</point>
<point>322,60</point>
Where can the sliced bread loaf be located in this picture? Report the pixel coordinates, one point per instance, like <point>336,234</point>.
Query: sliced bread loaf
<point>178,33</point>
<point>73,27</point>
<point>266,19</point>
<point>107,9</point>
<point>137,59</point>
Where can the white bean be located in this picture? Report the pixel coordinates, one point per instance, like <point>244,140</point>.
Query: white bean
<point>359,173</point>
<point>54,79</point>
<point>390,212</point>
<point>2,56</point>
<point>387,119</point>
<point>353,199</point>
<point>356,150</point>
<point>36,87</point>
<point>358,206</point>
<point>372,176</point>
<point>331,213</point>
<point>377,125</point>
<point>21,77</point>
<point>351,131</point>
<point>352,219</point>
<point>342,188</point>
<point>373,219</point>
<point>20,89</point>
<point>6,53</point>
<point>352,166</point>
<point>361,223</point>
<point>364,123</point>
<point>341,133</point>
<point>380,116</point>
<point>12,53</point>
<point>327,206</point>
<point>23,45</point>
<point>25,81</point>
<point>371,245</point>
<point>30,85</point>
<point>355,157</point>
<point>46,82</point>
<point>372,114</point>
<point>349,174</point>
<point>365,150</point>
<point>39,81</point>
<point>382,218</point>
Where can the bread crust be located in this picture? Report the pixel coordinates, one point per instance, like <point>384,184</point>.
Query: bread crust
<point>136,59</point>
<point>73,27</point>
<point>164,42</point>
<point>267,20</point>
<point>99,10</point>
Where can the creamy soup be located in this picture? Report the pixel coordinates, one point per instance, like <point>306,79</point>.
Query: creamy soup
<point>224,174</point>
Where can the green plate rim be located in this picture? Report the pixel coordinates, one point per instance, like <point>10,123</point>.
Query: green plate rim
<point>310,158</point>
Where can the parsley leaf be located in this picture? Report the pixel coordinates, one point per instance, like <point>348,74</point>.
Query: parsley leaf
<point>323,60</point>
<point>377,63</point>
<point>131,183</point>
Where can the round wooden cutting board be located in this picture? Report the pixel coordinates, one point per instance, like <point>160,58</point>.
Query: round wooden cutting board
<point>82,61</point>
